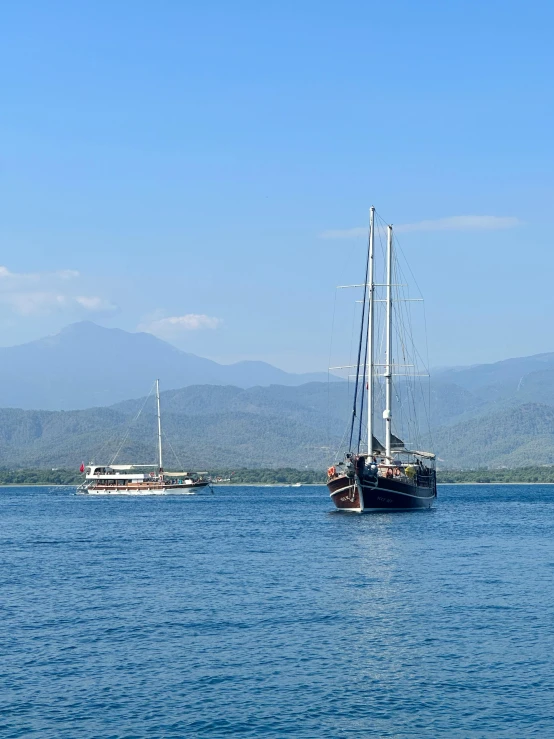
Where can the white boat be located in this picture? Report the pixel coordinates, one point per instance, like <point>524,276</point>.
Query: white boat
<point>139,479</point>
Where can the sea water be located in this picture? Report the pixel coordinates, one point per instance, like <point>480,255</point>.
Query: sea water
<point>260,612</point>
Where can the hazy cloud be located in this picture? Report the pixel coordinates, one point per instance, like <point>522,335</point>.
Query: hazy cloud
<point>94,304</point>
<point>41,293</point>
<point>174,326</point>
<point>37,302</point>
<point>345,233</point>
<point>7,277</point>
<point>42,302</point>
<point>463,223</point>
<point>453,223</point>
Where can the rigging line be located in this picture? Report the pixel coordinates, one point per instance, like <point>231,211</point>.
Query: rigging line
<point>366,372</point>
<point>329,374</point>
<point>407,264</point>
<point>414,280</point>
<point>429,380</point>
<point>380,330</point>
<point>401,425</point>
<point>410,383</point>
<point>135,419</point>
<point>399,335</point>
<point>338,453</point>
<point>109,442</point>
<point>425,363</point>
<point>352,333</point>
<point>426,402</point>
<point>403,336</point>
<point>112,439</point>
<point>348,376</point>
<point>359,354</point>
<point>172,449</point>
<point>409,321</point>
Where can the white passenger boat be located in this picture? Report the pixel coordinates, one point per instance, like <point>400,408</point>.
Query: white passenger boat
<point>139,479</point>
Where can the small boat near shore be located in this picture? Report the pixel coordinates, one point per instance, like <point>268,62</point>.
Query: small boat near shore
<point>371,476</point>
<point>139,479</point>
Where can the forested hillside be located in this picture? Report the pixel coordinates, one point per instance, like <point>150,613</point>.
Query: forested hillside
<point>204,427</point>
<point>492,416</point>
<point>519,436</point>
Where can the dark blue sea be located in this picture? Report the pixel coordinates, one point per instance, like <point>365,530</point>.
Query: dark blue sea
<point>259,612</point>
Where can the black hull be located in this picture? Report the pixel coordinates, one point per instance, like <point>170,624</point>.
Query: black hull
<point>382,494</point>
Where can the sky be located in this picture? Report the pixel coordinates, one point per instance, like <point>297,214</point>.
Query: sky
<point>204,170</point>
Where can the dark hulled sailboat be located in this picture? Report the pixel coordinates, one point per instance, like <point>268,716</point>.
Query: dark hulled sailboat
<point>389,476</point>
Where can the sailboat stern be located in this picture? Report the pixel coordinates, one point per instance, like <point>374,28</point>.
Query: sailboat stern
<point>383,487</point>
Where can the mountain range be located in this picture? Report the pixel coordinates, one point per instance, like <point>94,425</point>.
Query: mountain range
<point>511,381</point>
<point>87,365</point>
<point>204,426</point>
<point>246,414</point>
<point>208,426</point>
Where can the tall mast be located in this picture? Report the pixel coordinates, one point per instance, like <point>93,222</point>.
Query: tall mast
<point>370,321</point>
<point>159,428</point>
<point>387,415</point>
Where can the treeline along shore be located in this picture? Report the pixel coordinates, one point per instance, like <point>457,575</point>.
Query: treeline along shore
<point>517,475</point>
<point>286,476</point>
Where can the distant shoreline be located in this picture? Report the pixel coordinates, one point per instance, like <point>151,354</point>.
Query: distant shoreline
<point>37,485</point>
<point>494,483</point>
<point>257,484</point>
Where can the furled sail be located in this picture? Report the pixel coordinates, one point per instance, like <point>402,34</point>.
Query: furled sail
<point>395,443</point>
<point>377,447</point>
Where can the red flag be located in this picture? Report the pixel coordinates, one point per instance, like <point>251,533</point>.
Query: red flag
<point>82,467</point>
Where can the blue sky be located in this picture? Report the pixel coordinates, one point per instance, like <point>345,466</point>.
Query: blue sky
<point>175,166</point>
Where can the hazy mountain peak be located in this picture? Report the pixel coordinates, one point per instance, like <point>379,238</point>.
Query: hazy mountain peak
<point>86,365</point>
<point>80,327</point>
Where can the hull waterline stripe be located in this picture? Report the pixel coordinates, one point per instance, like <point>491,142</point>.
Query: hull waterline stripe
<point>383,490</point>
<point>341,490</point>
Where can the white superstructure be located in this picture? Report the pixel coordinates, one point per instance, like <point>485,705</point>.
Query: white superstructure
<point>136,479</point>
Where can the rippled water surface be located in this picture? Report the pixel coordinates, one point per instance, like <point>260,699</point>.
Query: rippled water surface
<point>257,612</point>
